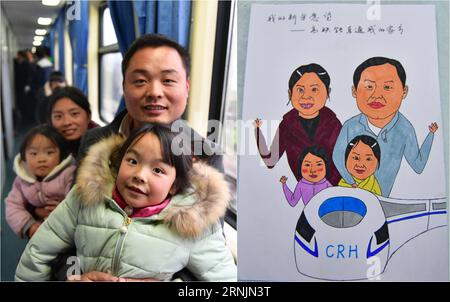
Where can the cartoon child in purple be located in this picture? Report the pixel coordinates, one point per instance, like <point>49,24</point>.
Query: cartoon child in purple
<point>314,169</point>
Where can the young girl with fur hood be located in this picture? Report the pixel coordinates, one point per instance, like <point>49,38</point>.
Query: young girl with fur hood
<point>45,172</point>
<point>137,210</point>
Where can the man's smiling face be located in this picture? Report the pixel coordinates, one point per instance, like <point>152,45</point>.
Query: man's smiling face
<point>380,92</point>
<point>156,86</point>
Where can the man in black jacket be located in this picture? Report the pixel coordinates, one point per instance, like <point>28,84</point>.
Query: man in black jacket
<point>156,88</point>
<point>156,85</point>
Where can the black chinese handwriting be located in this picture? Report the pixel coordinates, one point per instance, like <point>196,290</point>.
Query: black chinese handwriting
<point>321,23</point>
<point>293,18</point>
<point>353,29</point>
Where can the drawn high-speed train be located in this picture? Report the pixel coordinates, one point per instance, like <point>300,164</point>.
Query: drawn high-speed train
<point>343,232</point>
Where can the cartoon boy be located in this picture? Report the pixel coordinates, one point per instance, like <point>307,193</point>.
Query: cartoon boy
<point>379,88</point>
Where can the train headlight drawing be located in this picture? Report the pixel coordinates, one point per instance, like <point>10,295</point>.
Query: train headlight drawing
<point>341,229</point>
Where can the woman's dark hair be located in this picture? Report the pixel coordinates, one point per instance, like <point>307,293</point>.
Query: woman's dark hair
<point>316,151</point>
<point>375,61</point>
<point>50,133</point>
<point>74,94</point>
<point>154,41</point>
<point>313,67</point>
<point>181,159</point>
<point>369,141</point>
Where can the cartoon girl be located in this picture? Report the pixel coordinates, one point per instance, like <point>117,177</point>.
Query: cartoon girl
<point>314,170</point>
<point>362,160</point>
<point>309,123</point>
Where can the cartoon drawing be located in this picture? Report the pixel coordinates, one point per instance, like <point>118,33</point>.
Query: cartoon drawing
<point>354,233</point>
<point>379,88</point>
<point>346,232</point>
<point>309,123</point>
<point>314,170</point>
<point>362,160</point>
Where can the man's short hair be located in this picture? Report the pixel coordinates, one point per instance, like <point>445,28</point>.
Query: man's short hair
<point>154,41</point>
<point>42,51</point>
<point>375,61</point>
<point>56,76</point>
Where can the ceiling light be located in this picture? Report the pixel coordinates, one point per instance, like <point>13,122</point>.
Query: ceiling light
<point>40,32</point>
<point>37,43</point>
<point>44,21</point>
<point>50,2</point>
<point>38,38</point>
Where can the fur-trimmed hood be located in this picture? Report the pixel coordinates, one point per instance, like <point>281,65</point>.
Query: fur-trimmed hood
<point>188,214</point>
<point>22,171</point>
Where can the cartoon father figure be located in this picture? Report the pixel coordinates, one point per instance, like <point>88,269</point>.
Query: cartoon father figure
<point>379,88</point>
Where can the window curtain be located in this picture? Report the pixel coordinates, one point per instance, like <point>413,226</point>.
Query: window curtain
<point>123,20</point>
<point>169,18</point>
<point>58,29</point>
<point>78,32</point>
<point>122,16</point>
<point>49,41</point>
<point>61,43</point>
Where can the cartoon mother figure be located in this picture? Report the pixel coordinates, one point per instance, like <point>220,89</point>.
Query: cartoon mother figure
<point>309,123</point>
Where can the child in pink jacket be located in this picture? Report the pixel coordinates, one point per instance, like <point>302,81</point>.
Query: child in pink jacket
<point>45,172</point>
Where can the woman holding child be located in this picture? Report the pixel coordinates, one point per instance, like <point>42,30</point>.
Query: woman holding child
<point>309,123</point>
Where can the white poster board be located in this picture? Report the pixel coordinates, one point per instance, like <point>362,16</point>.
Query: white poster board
<point>338,37</point>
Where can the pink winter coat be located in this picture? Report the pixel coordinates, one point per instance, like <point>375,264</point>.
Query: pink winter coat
<point>27,189</point>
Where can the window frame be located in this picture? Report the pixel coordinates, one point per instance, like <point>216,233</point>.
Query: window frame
<point>103,50</point>
<point>219,82</point>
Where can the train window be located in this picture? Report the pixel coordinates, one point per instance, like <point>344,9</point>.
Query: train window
<point>110,73</point>
<point>108,34</point>
<point>110,84</point>
<point>229,136</point>
<point>342,212</point>
<point>229,112</point>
